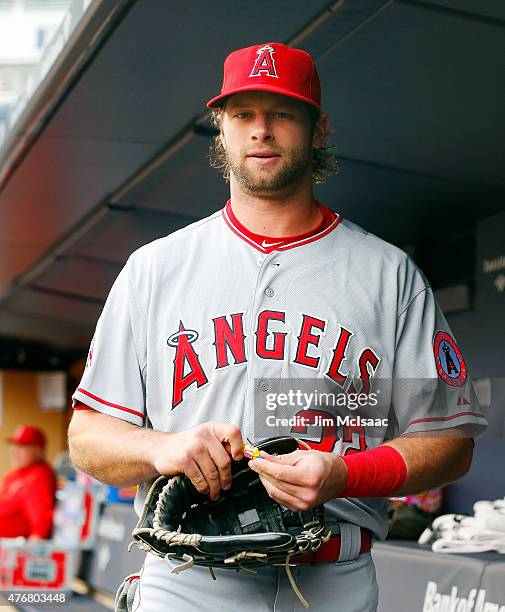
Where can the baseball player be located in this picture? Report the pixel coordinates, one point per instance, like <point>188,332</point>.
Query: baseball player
<point>274,285</point>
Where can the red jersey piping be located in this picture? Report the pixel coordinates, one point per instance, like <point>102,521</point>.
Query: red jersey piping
<point>106,403</point>
<point>323,229</point>
<point>447,418</point>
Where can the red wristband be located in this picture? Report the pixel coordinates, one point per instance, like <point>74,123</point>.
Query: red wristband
<point>374,473</point>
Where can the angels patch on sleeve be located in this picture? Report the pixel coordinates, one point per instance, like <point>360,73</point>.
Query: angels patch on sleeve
<point>450,364</point>
<point>89,360</point>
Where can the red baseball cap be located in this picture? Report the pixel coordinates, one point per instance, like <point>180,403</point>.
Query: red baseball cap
<point>270,67</point>
<point>28,436</point>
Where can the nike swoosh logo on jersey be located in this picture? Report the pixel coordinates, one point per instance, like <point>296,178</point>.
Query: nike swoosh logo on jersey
<point>269,244</point>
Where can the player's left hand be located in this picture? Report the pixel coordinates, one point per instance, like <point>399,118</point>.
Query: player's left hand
<point>302,479</point>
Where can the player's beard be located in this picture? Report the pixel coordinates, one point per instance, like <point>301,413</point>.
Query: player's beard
<point>289,170</point>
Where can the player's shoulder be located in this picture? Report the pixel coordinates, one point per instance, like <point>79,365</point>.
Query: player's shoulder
<point>386,261</point>
<point>369,244</point>
<point>397,271</point>
<point>376,249</point>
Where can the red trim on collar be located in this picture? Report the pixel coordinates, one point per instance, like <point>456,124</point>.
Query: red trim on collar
<point>329,222</point>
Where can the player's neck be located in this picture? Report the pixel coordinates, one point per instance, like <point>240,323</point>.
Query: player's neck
<point>278,216</point>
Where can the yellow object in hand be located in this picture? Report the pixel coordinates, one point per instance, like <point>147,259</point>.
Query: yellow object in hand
<point>251,452</point>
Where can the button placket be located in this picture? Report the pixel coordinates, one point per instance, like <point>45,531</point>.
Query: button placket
<point>260,373</point>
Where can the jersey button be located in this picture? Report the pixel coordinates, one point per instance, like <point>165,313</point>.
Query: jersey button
<point>259,262</point>
<point>269,292</point>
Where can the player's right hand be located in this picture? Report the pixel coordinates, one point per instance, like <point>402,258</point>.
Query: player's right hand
<point>204,454</point>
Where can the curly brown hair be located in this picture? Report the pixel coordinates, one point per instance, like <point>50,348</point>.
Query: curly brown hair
<point>324,161</point>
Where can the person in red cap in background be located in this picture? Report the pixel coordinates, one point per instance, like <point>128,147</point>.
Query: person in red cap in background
<point>27,491</point>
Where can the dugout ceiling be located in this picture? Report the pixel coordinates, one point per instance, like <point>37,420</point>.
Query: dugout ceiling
<point>115,153</point>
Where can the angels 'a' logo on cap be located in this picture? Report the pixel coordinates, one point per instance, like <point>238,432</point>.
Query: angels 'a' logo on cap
<point>265,63</point>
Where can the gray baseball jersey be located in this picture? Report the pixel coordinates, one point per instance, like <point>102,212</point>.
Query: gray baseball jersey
<point>201,321</point>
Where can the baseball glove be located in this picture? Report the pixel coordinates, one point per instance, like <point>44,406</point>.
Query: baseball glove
<point>244,528</point>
